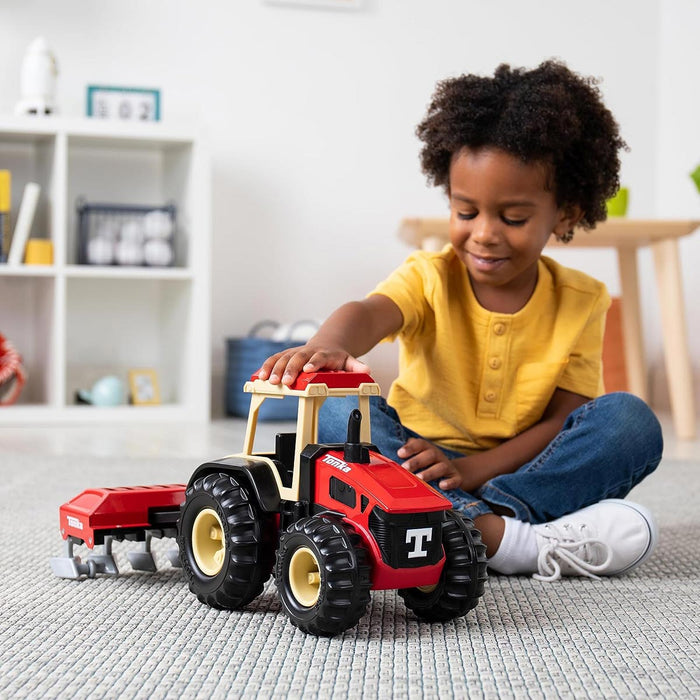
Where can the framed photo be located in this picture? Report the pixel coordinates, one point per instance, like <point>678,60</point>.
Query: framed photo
<point>143,385</point>
<point>338,4</point>
<point>124,103</point>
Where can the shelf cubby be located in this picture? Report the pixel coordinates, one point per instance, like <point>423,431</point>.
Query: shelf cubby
<point>73,323</point>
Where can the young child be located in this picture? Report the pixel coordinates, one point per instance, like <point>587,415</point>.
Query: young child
<point>499,400</point>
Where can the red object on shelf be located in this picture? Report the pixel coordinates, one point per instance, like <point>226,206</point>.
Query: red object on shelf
<point>12,373</point>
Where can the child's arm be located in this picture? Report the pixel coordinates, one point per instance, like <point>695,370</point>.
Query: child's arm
<point>471,472</point>
<point>354,329</point>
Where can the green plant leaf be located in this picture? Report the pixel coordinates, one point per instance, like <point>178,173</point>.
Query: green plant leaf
<point>695,175</point>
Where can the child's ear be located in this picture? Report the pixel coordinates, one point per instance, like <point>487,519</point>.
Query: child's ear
<point>569,215</point>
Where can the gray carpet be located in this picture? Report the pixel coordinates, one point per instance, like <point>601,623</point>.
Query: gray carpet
<point>145,636</point>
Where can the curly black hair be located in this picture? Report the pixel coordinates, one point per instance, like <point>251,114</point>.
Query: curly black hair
<point>548,114</point>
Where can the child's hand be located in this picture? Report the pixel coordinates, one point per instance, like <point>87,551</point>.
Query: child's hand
<point>429,462</point>
<point>285,366</point>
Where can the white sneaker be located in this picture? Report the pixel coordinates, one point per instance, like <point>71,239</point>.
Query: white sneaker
<point>607,538</point>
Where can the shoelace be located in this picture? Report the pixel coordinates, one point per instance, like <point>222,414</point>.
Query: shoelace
<point>565,546</point>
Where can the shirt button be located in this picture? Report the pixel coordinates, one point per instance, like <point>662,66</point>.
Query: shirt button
<point>490,396</point>
<point>499,328</point>
<point>494,363</point>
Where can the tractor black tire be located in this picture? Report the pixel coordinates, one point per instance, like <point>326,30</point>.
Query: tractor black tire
<point>339,561</point>
<point>462,580</point>
<point>247,543</point>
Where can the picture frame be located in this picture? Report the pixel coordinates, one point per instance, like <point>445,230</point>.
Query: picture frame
<point>143,387</point>
<point>123,103</point>
<point>334,4</point>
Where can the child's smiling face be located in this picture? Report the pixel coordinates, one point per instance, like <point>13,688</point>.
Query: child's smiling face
<point>502,213</point>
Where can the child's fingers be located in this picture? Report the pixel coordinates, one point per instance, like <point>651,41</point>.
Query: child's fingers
<point>352,364</point>
<point>294,364</point>
<point>307,360</point>
<point>419,453</point>
<point>436,471</point>
<point>321,359</point>
<point>284,367</point>
<point>454,482</point>
<point>266,368</point>
<point>412,446</point>
<point>281,367</point>
<point>429,463</point>
<point>327,359</point>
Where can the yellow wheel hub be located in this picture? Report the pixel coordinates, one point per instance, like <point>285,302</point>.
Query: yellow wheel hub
<point>208,544</point>
<point>427,589</point>
<point>305,577</point>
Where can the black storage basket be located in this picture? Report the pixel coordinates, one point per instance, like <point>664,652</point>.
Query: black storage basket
<point>244,356</point>
<point>90,215</point>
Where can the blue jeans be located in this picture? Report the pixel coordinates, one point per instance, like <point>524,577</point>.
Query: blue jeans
<point>604,448</point>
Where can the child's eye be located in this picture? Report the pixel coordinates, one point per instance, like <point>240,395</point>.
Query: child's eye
<point>513,222</point>
<point>465,217</point>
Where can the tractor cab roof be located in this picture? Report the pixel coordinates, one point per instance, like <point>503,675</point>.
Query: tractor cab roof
<point>326,383</point>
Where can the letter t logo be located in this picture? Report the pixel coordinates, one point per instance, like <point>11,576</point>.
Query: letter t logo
<point>418,536</point>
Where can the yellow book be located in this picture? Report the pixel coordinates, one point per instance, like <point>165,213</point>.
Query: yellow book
<point>5,198</point>
<point>5,183</point>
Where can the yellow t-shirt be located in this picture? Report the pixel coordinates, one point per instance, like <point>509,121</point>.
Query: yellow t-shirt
<point>471,378</point>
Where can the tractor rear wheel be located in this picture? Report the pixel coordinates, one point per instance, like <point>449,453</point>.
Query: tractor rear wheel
<point>322,575</point>
<point>226,542</point>
<point>462,580</point>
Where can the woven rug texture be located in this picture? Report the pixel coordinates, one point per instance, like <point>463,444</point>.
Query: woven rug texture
<point>146,636</point>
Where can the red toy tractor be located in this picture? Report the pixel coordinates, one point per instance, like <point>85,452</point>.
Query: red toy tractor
<point>330,521</point>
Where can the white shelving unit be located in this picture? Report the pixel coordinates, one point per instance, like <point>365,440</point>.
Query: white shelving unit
<point>75,323</point>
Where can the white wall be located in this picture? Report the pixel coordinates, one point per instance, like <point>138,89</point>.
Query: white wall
<point>311,116</point>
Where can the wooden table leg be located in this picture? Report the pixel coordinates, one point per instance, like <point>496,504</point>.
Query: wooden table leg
<point>676,352</point>
<point>631,323</point>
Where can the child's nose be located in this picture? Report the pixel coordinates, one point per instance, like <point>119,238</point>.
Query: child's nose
<point>485,231</point>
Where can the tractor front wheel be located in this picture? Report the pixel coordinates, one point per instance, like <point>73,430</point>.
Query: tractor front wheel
<point>322,576</point>
<point>462,581</point>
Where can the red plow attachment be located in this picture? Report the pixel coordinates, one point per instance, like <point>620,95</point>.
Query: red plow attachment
<point>97,517</point>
